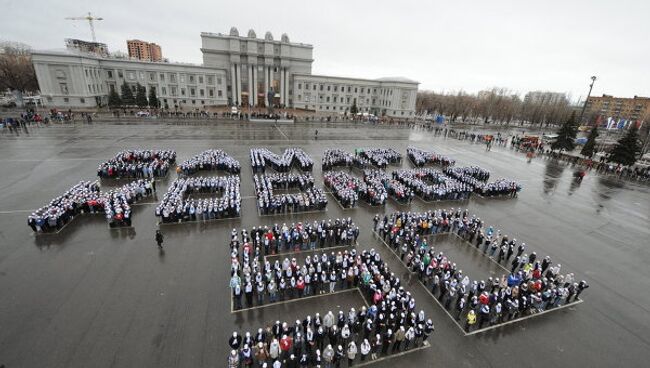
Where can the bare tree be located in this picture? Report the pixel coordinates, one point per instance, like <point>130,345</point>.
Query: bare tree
<point>16,71</point>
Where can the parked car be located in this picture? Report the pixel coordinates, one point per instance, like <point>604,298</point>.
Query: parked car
<point>143,114</point>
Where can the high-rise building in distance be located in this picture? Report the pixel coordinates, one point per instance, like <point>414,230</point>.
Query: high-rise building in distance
<point>143,50</point>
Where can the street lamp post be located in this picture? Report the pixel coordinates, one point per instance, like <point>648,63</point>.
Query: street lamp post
<point>582,113</point>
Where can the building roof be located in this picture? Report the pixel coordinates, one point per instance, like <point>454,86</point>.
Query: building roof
<point>397,79</point>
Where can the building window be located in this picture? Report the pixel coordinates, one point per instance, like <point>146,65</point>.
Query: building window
<point>219,93</point>
<point>328,99</point>
<point>66,100</point>
<point>355,89</point>
<point>321,87</point>
<point>201,79</point>
<point>329,88</point>
<point>299,86</point>
<point>299,97</point>
<point>210,79</point>
<point>163,91</point>
<point>86,73</point>
<point>314,87</point>
<point>182,91</point>
<point>109,73</point>
<point>191,77</point>
<point>141,75</point>
<point>192,92</point>
<point>82,100</point>
<point>152,77</point>
<point>162,77</point>
<point>182,78</point>
<point>89,88</point>
<point>193,102</point>
<point>120,74</point>
<point>172,77</point>
<point>201,92</point>
<point>334,99</point>
<point>219,80</point>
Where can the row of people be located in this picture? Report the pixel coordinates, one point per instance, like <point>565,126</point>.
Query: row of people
<point>212,159</point>
<point>117,202</point>
<point>272,240</point>
<point>137,164</point>
<point>420,158</point>
<point>176,207</point>
<point>261,157</point>
<point>390,325</point>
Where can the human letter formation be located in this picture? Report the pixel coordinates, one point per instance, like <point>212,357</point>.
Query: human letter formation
<point>390,325</point>
<point>269,203</point>
<point>262,157</point>
<point>348,189</point>
<point>178,205</point>
<point>532,286</point>
<point>421,158</point>
<point>213,159</point>
<point>138,164</point>
<point>86,197</point>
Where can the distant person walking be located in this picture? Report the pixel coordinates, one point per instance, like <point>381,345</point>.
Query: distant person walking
<point>159,239</point>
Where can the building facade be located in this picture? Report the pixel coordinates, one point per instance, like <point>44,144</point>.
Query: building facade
<point>68,79</point>
<point>237,70</point>
<point>143,50</point>
<point>607,106</point>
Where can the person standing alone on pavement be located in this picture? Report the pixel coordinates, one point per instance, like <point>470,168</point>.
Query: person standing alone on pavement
<point>159,239</point>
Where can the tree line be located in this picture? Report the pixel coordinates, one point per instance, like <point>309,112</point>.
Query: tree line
<point>127,98</point>
<point>498,105</point>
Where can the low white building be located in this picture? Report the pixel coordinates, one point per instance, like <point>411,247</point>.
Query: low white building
<point>237,70</point>
<point>76,79</point>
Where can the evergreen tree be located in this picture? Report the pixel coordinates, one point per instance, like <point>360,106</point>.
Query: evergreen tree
<point>127,95</point>
<point>114,99</point>
<point>354,110</point>
<point>590,146</point>
<point>141,96</point>
<point>566,135</point>
<point>627,148</point>
<point>153,100</point>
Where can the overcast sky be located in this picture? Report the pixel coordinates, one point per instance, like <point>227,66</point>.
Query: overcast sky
<point>553,45</point>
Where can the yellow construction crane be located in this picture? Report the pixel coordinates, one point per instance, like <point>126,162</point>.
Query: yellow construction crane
<point>90,18</point>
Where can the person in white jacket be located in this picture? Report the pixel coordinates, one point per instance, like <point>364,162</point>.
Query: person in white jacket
<point>352,352</point>
<point>365,349</point>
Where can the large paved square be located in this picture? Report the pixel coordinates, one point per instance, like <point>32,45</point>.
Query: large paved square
<point>94,297</point>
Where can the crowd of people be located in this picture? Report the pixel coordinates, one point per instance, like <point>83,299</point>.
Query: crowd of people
<point>297,237</point>
<point>348,189</point>
<point>261,157</point>
<point>177,207</point>
<point>137,164</point>
<point>380,157</point>
<point>212,159</point>
<point>269,203</point>
<point>433,185</point>
<point>390,325</point>
<point>477,177</point>
<point>87,197</point>
<point>336,158</point>
<point>533,285</point>
<point>420,158</point>
<point>117,202</point>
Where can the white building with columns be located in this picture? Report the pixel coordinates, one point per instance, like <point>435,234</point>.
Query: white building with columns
<point>241,70</point>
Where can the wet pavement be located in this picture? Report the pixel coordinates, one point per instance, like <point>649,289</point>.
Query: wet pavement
<point>90,296</point>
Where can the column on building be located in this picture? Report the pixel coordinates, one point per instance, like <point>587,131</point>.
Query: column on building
<point>267,71</point>
<point>255,92</point>
<point>282,88</point>
<point>238,67</point>
<point>233,84</point>
<point>250,84</point>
